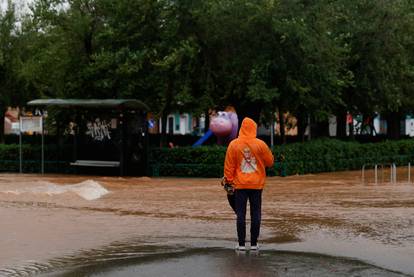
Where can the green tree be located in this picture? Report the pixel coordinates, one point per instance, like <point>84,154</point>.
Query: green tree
<point>309,63</point>
<point>65,49</point>
<point>14,90</point>
<point>379,58</point>
<point>308,58</point>
<point>233,34</point>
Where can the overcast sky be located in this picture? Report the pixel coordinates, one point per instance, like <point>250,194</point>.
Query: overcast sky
<point>3,5</point>
<point>21,5</point>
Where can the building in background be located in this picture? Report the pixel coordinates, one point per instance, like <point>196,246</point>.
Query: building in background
<point>408,125</point>
<point>178,124</point>
<point>11,121</point>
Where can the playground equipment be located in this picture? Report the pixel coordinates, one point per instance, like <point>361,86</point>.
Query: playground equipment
<point>203,139</point>
<point>393,172</point>
<point>224,125</point>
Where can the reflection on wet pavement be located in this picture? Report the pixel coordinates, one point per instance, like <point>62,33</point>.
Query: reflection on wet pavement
<point>48,222</point>
<point>225,262</point>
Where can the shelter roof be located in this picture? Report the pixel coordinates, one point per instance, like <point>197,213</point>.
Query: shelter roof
<point>123,104</point>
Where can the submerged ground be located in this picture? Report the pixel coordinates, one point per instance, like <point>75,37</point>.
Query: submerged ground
<point>312,225</point>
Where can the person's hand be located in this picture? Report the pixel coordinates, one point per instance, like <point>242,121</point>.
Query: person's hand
<point>227,186</point>
<point>223,181</point>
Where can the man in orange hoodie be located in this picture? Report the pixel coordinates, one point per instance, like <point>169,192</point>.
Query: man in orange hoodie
<point>245,166</point>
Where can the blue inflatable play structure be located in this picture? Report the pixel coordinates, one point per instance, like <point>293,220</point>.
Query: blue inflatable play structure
<point>203,139</point>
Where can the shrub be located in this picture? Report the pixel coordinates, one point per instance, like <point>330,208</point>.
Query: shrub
<point>10,158</point>
<point>323,155</point>
<point>315,156</point>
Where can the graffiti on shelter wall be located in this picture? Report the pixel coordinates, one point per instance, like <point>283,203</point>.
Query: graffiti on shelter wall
<point>99,130</point>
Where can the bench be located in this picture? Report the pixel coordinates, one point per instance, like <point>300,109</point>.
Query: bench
<point>96,163</point>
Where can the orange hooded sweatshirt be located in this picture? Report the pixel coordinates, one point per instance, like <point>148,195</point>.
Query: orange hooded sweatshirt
<point>247,158</point>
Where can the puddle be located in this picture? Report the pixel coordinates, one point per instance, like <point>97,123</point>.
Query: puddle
<point>154,260</point>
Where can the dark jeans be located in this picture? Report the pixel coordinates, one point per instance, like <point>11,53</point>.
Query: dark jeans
<point>232,202</point>
<point>255,198</point>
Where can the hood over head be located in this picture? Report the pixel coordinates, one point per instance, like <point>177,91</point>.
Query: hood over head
<point>248,128</point>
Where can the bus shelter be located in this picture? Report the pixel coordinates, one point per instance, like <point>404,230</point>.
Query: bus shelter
<point>108,134</point>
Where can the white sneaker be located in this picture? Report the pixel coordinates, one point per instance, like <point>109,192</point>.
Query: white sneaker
<point>240,248</point>
<point>254,247</point>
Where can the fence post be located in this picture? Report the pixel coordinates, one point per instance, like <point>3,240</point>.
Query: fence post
<point>363,174</point>
<point>395,173</point>
<point>393,177</point>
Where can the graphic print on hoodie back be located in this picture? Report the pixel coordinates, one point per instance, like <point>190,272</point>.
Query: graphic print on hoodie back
<point>248,164</point>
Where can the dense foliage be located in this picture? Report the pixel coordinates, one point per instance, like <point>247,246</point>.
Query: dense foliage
<point>297,158</point>
<point>310,58</point>
<point>334,155</point>
<point>56,159</point>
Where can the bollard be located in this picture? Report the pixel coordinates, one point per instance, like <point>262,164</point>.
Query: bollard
<point>363,174</point>
<point>393,173</point>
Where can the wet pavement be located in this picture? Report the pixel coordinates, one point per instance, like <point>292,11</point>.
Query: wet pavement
<point>313,225</point>
<point>219,262</point>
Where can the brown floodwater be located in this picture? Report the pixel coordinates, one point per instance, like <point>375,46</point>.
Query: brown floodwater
<point>312,225</point>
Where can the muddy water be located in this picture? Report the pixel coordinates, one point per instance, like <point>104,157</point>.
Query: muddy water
<point>313,225</point>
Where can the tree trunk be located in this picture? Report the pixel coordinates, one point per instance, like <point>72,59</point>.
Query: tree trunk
<point>163,138</point>
<point>351,130</point>
<point>2,114</point>
<point>393,125</point>
<point>165,111</point>
<point>365,126</point>
<point>207,121</point>
<point>371,126</point>
<point>321,129</point>
<point>282,126</point>
<point>301,125</point>
<point>341,124</point>
<point>309,127</point>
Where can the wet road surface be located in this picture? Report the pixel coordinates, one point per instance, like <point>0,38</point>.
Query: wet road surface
<point>312,225</point>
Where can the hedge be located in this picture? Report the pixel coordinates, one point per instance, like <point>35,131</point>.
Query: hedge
<point>55,161</point>
<point>324,155</point>
<point>315,156</point>
<point>205,161</point>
